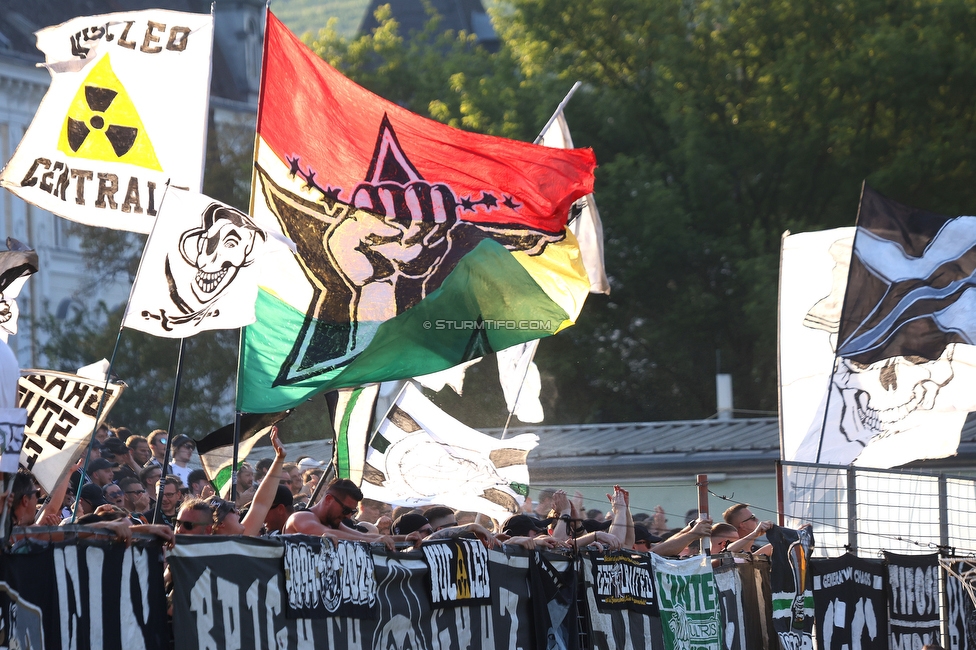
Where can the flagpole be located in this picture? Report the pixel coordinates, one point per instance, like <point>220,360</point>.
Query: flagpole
<point>840,324</point>
<point>111,366</point>
<point>555,115</point>
<point>518,393</point>
<point>559,109</point>
<point>169,433</point>
<point>233,465</point>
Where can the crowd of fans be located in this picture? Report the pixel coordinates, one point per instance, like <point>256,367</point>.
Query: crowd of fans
<point>124,476</point>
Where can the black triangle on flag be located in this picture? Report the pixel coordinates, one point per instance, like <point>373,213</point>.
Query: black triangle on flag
<point>478,345</point>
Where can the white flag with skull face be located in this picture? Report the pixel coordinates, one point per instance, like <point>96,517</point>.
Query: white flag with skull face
<point>201,268</point>
<point>420,455</point>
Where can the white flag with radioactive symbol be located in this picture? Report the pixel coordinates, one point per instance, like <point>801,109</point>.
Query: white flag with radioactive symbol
<point>201,267</point>
<point>126,111</point>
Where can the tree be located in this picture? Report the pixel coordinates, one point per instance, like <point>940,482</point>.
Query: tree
<point>718,125</point>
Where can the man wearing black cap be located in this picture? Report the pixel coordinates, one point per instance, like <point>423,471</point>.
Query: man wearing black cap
<point>183,447</point>
<point>101,472</point>
<point>90,498</point>
<point>281,509</point>
<point>115,451</point>
<point>524,526</point>
<point>412,522</point>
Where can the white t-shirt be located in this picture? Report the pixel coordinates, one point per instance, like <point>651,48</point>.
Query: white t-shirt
<point>182,472</point>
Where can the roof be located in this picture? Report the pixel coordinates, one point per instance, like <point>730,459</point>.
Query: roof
<point>676,448</point>
<point>660,448</point>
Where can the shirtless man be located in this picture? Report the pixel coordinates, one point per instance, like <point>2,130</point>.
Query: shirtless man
<point>326,517</point>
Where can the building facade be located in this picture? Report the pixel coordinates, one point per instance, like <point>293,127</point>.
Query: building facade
<point>67,282</point>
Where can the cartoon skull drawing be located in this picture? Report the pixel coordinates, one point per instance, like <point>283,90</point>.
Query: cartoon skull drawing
<point>879,398</point>
<point>221,247</point>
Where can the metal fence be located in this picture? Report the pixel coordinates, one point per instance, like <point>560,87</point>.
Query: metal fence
<point>867,510</point>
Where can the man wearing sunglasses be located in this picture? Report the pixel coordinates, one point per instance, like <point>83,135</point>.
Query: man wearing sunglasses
<point>327,517</point>
<point>748,527</point>
<point>136,497</point>
<point>157,445</point>
<point>196,517</point>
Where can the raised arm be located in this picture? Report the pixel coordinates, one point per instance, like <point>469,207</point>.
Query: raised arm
<point>562,508</point>
<point>745,543</point>
<point>622,526</point>
<point>264,497</point>
<point>672,546</point>
<point>51,514</point>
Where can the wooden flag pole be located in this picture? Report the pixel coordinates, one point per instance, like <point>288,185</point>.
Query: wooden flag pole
<point>702,482</point>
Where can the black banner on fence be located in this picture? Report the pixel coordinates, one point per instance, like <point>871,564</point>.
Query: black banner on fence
<point>324,579</point>
<point>961,614</point>
<point>850,598</point>
<point>790,580</point>
<point>458,572</point>
<point>553,603</point>
<point>84,595</point>
<point>231,593</point>
<point>623,580</point>
<point>610,629</point>
<point>913,600</point>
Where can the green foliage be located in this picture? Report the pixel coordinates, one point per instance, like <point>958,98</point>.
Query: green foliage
<point>147,365</point>
<point>718,125</point>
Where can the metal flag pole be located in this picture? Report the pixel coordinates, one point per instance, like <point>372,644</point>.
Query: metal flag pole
<point>538,139</point>
<point>169,435</point>
<point>840,326</point>
<point>559,109</point>
<point>111,365</point>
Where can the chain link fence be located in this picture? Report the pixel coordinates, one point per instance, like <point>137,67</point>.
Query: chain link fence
<point>868,511</point>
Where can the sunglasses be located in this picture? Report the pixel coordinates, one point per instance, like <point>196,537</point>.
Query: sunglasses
<point>189,525</point>
<point>450,525</point>
<point>346,510</point>
<point>135,491</point>
<point>161,441</point>
<point>752,518</point>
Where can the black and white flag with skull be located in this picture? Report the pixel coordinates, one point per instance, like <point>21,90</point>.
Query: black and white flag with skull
<point>201,268</point>
<point>904,321</point>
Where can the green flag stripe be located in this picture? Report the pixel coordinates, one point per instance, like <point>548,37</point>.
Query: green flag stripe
<point>488,286</point>
<point>342,436</point>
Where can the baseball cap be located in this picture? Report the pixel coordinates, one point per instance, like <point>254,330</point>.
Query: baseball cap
<point>114,446</point>
<point>283,497</point>
<point>641,534</point>
<point>92,494</point>
<point>182,439</point>
<point>522,525</point>
<point>310,463</point>
<point>591,525</point>
<point>101,463</point>
<point>409,523</point>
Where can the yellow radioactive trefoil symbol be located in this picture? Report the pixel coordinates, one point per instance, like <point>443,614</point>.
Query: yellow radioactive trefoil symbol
<point>103,124</point>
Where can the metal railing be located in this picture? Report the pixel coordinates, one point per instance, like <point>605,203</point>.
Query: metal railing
<point>868,510</point>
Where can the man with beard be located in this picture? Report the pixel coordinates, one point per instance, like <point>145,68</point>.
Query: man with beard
<point>136,497</point>
<point>327,517</point>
